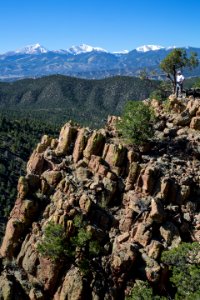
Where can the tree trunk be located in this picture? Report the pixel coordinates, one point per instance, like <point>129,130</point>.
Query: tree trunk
<point>174,78</point>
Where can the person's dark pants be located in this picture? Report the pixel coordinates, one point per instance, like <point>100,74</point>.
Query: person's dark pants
<point>179,89</point>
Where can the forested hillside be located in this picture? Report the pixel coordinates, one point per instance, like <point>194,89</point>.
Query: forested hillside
<point>61,98</point>
<point>17,139</point>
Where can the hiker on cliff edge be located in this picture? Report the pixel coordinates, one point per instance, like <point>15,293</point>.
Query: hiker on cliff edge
<point>179,84</point>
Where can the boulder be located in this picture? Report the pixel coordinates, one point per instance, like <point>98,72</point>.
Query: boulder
<point>94,145</point>
<point>192,107</point>
<point>154,249</point>
<point>157,213</point>
<point>52,177</point>
<point>141,234</point>
<point>85,203</point>
<point>11,240</point>
<point>35,163</point>
<point>126,221</point>
<point>136,201</point>
<point>183,119</point>
<point>134,170</point>
<point>123,259</point>
<point>111,124</point>
<point>22,187</point>
<point>196,235</point>
<point>96,163</point>
<point>33,182</point>
<point>152,269</point>
<point>164,188</point>
<point>110,189</point>
<point>133,155</point>
<point>195,123</point>
<point>175,104</point>
<point>184,192</point>
<point>72,287</point>
<point>114,155</point>
<point>36,294</point>
<point>45,143</point>
<point>28,256</point>
<point>54,144</point>
<point>80,144</point>
<point>170,234</point>
<point>149,178</point>
<point>172,98</point>
<point>66,140</point>
<point>123,237</point>
<point>82,174</point>
<point>47,274</point>
<point>6,288</point>
<point>21,217</point>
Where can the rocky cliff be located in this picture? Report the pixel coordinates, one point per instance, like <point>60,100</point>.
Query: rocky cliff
<point>134,201</point>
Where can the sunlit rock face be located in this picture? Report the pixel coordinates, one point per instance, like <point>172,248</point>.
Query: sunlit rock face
<point>133,202</point>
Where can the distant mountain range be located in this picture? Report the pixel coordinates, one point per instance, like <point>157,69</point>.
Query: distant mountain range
<point>84,61</point>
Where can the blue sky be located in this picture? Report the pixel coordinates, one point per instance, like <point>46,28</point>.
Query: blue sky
<point>113,25</point>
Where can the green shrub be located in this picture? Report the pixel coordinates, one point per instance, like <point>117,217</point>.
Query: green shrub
<point>85,244</point>
<point>53,244</point>
<point>135,125</point>
<point>157,94</point>
<point>82,238</point>
<point>94,248</point>
<point>57,246</point>
<point>78,221</point>
<point>183,262</point>
<point>197,84</point>
<point>143,291</point>
<point>167,106</point>
<point>162,92</point>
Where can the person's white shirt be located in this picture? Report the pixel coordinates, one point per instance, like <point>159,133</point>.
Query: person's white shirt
<point>179,78</point>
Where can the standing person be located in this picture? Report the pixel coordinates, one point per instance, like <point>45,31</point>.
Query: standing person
<point>179,84</point>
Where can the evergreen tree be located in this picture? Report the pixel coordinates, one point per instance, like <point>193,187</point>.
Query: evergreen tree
<point>178,59</point>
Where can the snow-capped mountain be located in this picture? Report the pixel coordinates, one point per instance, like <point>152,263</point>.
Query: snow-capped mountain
<point>173,47</point>
<point>147,48</point>
<point>84,49</point>
<point>121,52</point>
<point>60,51</point>
<point>38,49</point>
<point>32,49</point>
<point>84,61</point>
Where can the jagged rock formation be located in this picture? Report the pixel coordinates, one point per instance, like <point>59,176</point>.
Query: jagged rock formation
<point>137,202</point>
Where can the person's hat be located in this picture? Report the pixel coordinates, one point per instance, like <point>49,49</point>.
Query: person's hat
<point>179,72</point>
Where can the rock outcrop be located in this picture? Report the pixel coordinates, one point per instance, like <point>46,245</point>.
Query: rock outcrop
<point>136,202</point>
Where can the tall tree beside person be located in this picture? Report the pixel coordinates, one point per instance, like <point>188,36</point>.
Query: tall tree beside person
<point>176,60</point>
